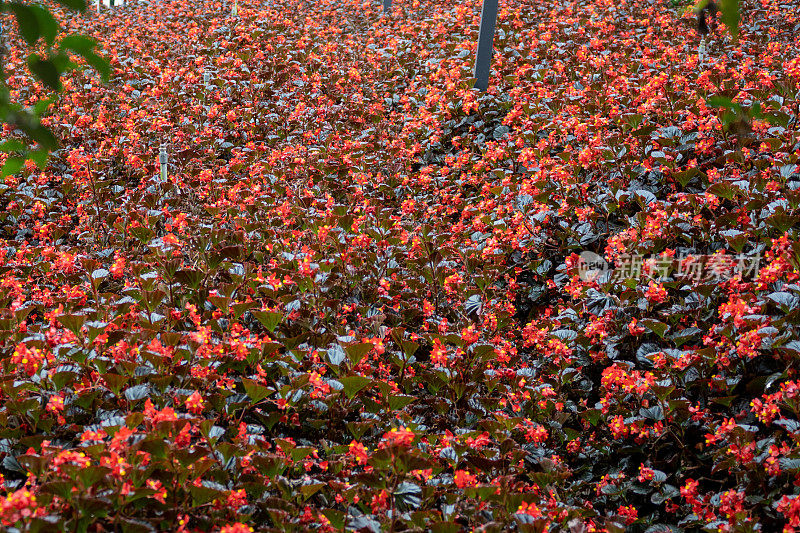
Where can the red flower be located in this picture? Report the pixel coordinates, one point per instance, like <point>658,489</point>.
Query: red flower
<point>629,512</point>
<point>656,293</point>
<point>55,404</point>
<point>195,403</point>
<point>357,450</point>
<point>161,492</point>
<point>530,509</point>
<point>463,478</point>
<point>401,437</point>
<point>237,498</point>
<point>380,501</point>
<point>238,527</point>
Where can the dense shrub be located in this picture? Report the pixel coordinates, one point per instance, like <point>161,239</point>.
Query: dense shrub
<point>359,301</point>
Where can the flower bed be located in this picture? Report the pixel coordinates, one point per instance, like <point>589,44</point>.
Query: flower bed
<point>369,297</point>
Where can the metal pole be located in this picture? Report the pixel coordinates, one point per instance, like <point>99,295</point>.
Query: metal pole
<point>162,159</point>
<point>483,59</point>
<point>387,6</point>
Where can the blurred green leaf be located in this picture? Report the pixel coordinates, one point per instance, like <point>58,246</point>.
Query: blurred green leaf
<point>12,145</point>
<point>12,166</point>
<point>85,47</point>
<point>34,22</point>
<point>27,21</point>
<point>730,16</point>
<point>48,26</point>
<point>77,43</point>
<point>46,71</point>
<point>77,5</point>
<point>41,106</point>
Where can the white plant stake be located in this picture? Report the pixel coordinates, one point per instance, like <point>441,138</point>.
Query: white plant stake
<point>162,158</point>
<point>701,51</point>
<point>98,5</point>
<point>235,11</point>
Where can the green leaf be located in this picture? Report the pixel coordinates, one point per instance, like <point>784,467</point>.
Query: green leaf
<point>723,190</point>
<point>48,26</point>
<point>409,347</point>
<point>301,452</point>
<point>133,525</point>
<point>115,381</point>
<point>61,379</point>
<point>100,64</point>
<point>336,517</point>
<point>353,384</point>
<point>45,70</point>
<point>356,352</point>
<point>39,157</point>
<point>445,527</point>
<point>254,390</point>
<point>357,429</point>
<point>85,47</point>
<point>72,322</point>
<point>782,221</point>
<point>43,136</point>
<point>90,475</point>
<point>592,416</point>
<point>59,488</point>
<point>134,419</point>
<point>29,124</point>
<point>268,320</point>
<point>202,495</point>
<point>399,401</point>
<point>722,101</point>
<point>724,400</point>
<point>657,327</point>
<point>309,490</point>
